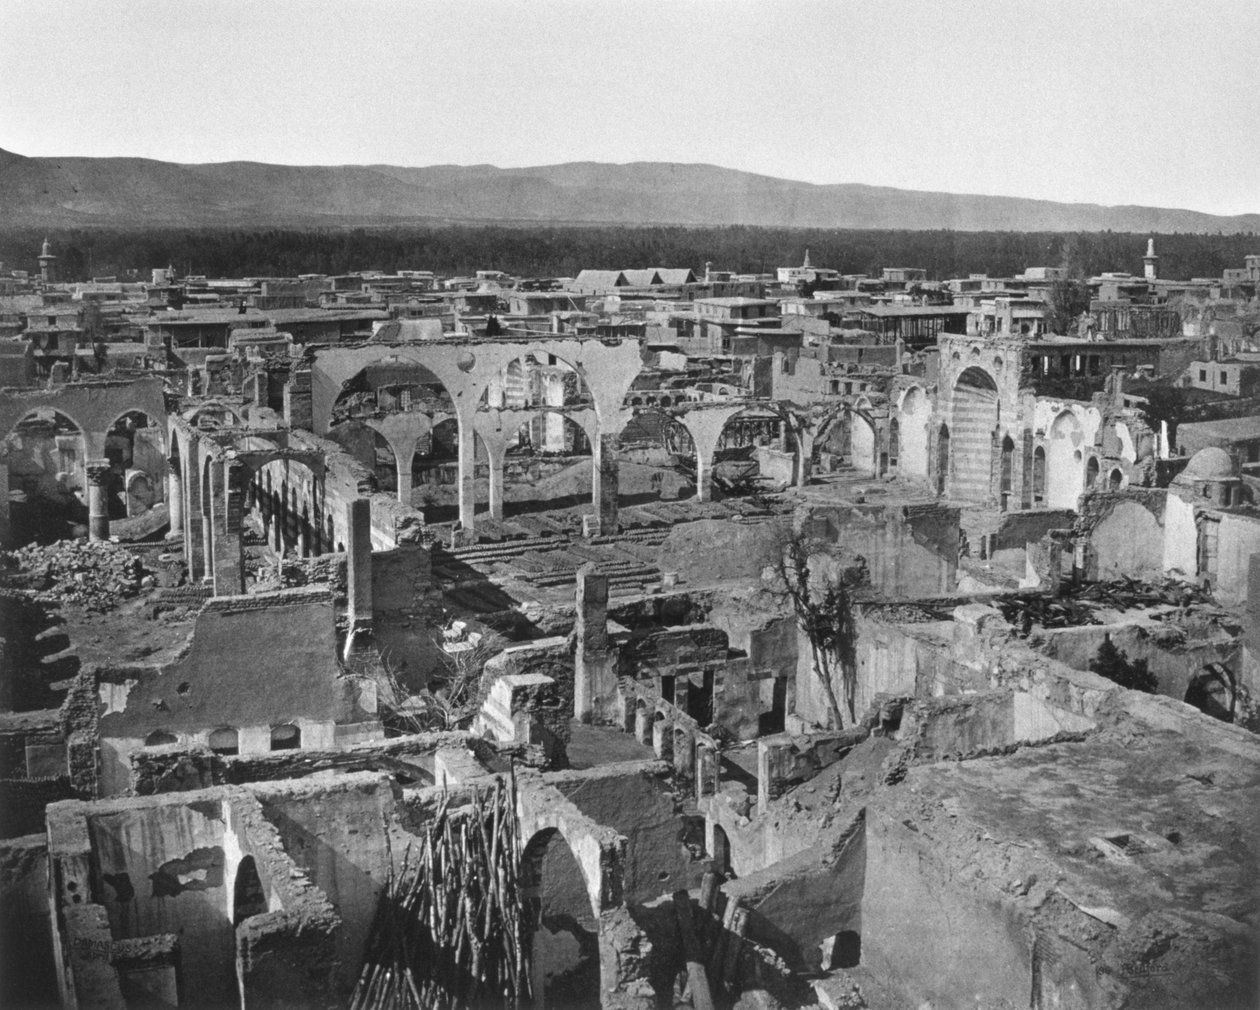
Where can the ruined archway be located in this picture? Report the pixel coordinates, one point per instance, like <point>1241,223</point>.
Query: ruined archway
<point>248,896</point>
<point>1065,462</point>
<point>46,453</point>
<point>755,445</point>
<point>1213,691</point>
<point>912,449</point>
<point>565,930</point>
<point>973,417</point>
<point>656,459</point>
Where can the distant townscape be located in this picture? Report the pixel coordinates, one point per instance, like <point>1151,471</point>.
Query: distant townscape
<point>655,635</point>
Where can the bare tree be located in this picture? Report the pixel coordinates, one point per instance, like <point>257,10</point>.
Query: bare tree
<point>820,591</point>
<point>448,701</point>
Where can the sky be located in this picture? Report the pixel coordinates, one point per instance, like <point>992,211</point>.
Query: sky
<point>1122,102</point>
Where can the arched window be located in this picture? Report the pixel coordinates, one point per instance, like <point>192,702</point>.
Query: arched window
<point>286,737</point>
<point>159,738</point>
<point>225,741</point>
<point>1117,478</point>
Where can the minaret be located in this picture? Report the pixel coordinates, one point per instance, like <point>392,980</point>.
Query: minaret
<point>1150,259</point>
<point>805,265</point>
<point>47,262</point>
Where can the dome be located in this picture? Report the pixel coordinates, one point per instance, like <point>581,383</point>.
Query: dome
<point>1210,464</point>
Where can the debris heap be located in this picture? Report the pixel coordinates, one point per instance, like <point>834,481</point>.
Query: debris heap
<point>95,575</point>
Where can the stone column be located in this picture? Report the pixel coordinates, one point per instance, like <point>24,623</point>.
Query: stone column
<point>193,555</point>
<point>98,500</point>
<point>467,474</point>
<point>174,500</point>
<point>404,480</point>
<point>704,478</point>
<point>359,561</point>
<point>605,482</point>
<point>496,461</point>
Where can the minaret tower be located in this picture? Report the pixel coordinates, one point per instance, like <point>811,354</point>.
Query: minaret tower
<point>1150,259</point>
<point>805,265</point>
<point>47,262</point>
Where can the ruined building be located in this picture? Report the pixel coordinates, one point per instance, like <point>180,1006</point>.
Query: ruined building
<point>599,672</point>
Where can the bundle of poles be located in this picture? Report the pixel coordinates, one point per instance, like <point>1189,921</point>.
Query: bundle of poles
<point>450,932</point>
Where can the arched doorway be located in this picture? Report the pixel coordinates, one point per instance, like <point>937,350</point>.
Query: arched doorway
<point>1008,468</point>
<point>248,896</point>
<point>565,938</point>
<point>1091,472</point>
<point>862,441</point>
<point>1213,692</point>
<point>1039,476</point>
<point>125,452</point>
<point>972,420</point>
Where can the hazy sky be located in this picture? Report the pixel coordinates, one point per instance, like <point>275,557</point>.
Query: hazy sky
<point>1144,102</point>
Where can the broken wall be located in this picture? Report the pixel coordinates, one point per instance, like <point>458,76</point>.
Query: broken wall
<point>252,662</point>
<point>636,801</point>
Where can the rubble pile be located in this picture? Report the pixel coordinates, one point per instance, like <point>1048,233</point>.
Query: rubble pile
<point>95,575</point>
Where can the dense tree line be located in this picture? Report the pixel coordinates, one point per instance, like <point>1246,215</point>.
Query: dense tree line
<point>563,251</point>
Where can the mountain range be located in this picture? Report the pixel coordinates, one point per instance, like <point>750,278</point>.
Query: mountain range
<point>143,193</point>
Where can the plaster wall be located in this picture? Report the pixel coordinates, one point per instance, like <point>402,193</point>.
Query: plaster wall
<point>336,832</point>
<point>1128,542</point>
<point>1181,537</point>
<point>1239,542</point>
<point>161,869</point>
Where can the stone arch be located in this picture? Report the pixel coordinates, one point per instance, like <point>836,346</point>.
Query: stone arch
<point>249,898</point>
<point>1006,477</point>
<point>656,456</point>
<point>286,736</point>
<point>564,940</point>
<point>1214,691</point>
<point>525,383</point>
<point>973,419</point>
<point>224,740</point>
<point>1065,463</point>
<point>391,384</point>
<point>755,425</point>
<point>912,454</point>
<point>209,409</point>
<point>1039,475</point>
<point>1115,480</point>
<point>863,443</point>
<point>1091,471</point>
<point>46,452</point>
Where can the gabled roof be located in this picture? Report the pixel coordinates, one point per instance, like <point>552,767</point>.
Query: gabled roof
<point>600,279</point>
<point>641,278</point>
<point>676,275</point>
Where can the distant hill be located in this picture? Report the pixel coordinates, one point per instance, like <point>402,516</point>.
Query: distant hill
<point>136,192</point>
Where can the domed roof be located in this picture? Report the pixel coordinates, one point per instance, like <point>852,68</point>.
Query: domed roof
<point>1212,463</point>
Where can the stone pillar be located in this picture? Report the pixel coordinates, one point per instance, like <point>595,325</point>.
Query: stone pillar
<point>227,513</point>
<point>605,482</point>
<point>467,474</point>
<point>496,461</point>
<point>643,725</point>
<point>297,399</point>
<point>595,681</point>
<point>175,500</point>
<point>98,500</point>
<point>359,562</point>
<point>704,478</point>
<point>707,765</point>
<point>404,478</point>
<point>193,521</point>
